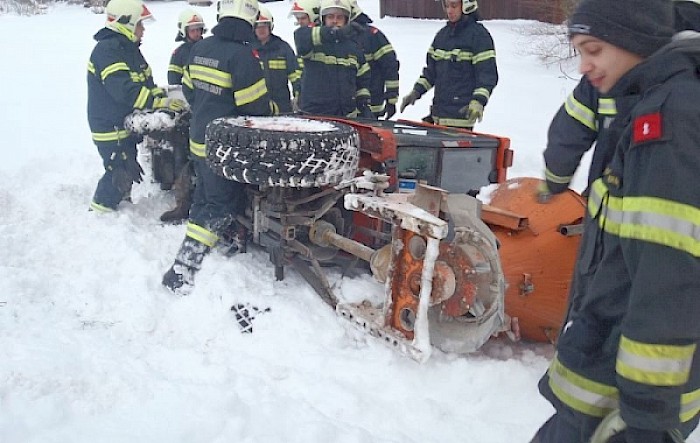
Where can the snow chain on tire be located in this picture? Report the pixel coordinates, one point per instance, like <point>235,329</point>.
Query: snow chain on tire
<point>282,151</point>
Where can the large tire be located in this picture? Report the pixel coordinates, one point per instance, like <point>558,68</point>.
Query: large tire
<point>282,151</point>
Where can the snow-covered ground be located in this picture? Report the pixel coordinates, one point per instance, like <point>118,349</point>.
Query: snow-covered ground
<point>92,349</point>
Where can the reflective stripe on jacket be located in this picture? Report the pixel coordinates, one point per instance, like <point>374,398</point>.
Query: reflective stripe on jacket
<point>461,65</point>
<point>383,66</point>
<point>336,75</point>
<point>224,78</point>
<point>631,332</point>
<point>281,69</point>
<point>178,62</point>
<point>119,80</point>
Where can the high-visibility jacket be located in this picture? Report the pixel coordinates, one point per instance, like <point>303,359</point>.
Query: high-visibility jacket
<point>461,65</point>
<point>383,66</point>
<point>336,76</point>
<point>178,61</point>
<point>119,80</point>
<point>631,333</point>
<point>281,68</point>
<point>224,78</point>
<point>585,119</point>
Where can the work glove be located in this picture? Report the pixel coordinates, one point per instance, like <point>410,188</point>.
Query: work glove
<point>158,92</point>
<point>636,435</point>
<point>390,110</point>
<point>474,112</point>
<point>613,429</point>
<point>549,188</point>
<point>171,104</point>
<point>408,100</point>
<point>364,110</point>
<point>126,170</point>
<point>295,103</point>
<point>349,31</point>
<point>134,169</point>
<point>544,195</point>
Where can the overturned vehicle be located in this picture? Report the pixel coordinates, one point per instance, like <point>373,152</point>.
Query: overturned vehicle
<point>399,197</point>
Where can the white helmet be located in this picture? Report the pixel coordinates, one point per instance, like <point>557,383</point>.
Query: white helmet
<point>265,16</point>
<point>124,15</point>
<point>356,10</point>
<point>189,19</point>
<point>308,7</point>
<point>244,9</point>
<point>468,6</point>
<point>343,5</point>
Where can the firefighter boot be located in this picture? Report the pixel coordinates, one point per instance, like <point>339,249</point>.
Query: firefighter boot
<point>183,196</point>
<point>180,277</point>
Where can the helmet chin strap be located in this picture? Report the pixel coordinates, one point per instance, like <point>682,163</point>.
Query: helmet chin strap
<point>126,32</point>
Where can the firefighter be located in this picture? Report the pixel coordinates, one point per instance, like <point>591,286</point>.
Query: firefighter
<point>223,78</point>
<point>588,118</point>
<point>190,29</point>
<point>279,62</point>
<point>305,13</point>
<point>119,81</point>
<point>383,66</point>
<point>461,65</point>
<point>336,76</point>
<point>626,367</point>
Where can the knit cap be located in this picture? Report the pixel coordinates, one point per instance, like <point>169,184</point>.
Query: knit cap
<point>638,26</point>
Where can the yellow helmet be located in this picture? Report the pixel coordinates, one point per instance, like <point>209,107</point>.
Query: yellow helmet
<point>189,19</point>
<point>244,9</point>
<point>124,15</point>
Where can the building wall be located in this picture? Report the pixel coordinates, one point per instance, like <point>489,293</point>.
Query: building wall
<point>552,11</point>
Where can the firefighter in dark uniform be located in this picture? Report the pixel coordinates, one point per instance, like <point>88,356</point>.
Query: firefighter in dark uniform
<point>461,65</point>
<point>336,76</point>
<point>279,62</point>
<point>383,66</point>
<point>119,81</point>
<point>223,78</point>
<point>190,29</point>
<point>585,117</point>
<point>627,367</point>
<point>305,13</point>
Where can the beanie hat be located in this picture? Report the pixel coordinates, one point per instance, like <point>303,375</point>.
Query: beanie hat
<point>638,26</point>
<point>687,15</point>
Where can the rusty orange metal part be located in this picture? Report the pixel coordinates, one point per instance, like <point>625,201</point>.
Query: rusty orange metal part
<point>537,257</point>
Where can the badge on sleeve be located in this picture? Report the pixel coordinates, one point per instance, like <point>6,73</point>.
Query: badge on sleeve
<point>647,128</point>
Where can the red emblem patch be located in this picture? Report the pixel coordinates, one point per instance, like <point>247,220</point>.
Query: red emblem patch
<point>647,127</point>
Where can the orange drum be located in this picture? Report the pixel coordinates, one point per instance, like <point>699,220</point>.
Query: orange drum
<point>538,250</point>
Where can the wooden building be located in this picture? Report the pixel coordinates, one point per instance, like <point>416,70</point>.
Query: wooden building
<point>551,11</point>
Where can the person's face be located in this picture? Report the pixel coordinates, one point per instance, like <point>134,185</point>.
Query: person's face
<point>262,32</point>
<point>454,10</point>
<point>194,34</point>
<point>302,19</point>
<point>138,31</point>
<point>335,20</point>
<point>603,63</point>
